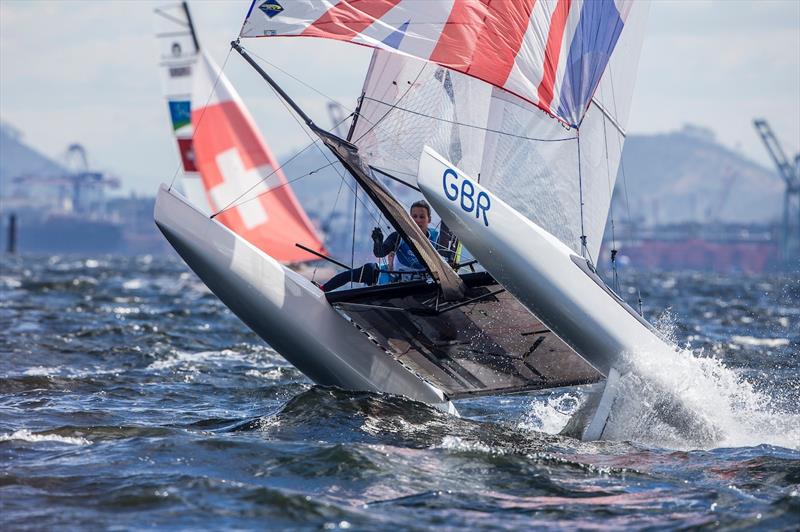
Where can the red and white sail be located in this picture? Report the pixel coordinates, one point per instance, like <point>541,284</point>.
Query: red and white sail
<point>240,175</point>
<point>551,53</point>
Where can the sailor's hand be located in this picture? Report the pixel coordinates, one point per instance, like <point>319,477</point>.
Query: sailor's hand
<point>377,235</point>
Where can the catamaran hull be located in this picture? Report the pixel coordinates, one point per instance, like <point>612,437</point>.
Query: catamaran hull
<point>544,274</point>
<point>285,309</point>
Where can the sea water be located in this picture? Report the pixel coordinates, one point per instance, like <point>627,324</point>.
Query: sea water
<point>131,398</point>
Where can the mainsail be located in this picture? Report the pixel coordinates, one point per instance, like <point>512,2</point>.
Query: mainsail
<point>228,166</point>
<point>518,151</point>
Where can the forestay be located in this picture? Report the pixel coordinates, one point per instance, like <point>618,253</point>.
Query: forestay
<point>551,53</point>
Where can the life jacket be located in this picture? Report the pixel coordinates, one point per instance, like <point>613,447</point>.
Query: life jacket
<point>404,258</point>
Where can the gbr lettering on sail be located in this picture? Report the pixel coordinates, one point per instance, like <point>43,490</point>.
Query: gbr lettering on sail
<point>461,190</point>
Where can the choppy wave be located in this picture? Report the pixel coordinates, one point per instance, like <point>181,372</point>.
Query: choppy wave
<point>27,436</point>
<point>136,397</point>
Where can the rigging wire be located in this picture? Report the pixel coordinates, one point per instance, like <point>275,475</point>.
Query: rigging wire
<point>473,126</point>
<point>584,248</point>
<point>353,238</point>
<point>300,81</point>
<point>330,216</point>
<point>625,187</point>
<point>279,167</point>
<point>614,274</point>
<point>202,114</point>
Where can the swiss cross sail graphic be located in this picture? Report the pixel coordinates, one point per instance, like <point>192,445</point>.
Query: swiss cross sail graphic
<point>240,175</point>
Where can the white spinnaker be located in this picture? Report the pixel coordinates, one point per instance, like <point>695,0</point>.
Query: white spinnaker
<point>177,57</point>
<point>409,103</point>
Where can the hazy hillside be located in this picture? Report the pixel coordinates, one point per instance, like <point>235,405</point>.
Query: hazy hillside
<point>671,177</point>
<point>17,158</point>
<point>686,176</point>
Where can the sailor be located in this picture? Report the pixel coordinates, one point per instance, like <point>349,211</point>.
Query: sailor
<point>402,258</point>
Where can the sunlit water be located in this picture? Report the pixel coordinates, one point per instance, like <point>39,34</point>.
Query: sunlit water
<point>131,398</point>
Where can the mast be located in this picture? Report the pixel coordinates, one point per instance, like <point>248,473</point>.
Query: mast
<point>450,283</point>
<point>191,27</point>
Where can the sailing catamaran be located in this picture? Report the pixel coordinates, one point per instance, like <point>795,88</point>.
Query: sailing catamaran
<point>509,118</point>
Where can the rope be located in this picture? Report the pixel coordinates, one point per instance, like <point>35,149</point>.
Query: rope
<point>330,215</point>
<point>625,185</point>
<point>240,196</point>
<point>353,238</point>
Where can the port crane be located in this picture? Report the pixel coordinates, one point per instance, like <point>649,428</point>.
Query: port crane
<point>790,173</point>
<point>79,189</point>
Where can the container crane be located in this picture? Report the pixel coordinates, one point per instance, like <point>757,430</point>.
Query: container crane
<point>790,173</point>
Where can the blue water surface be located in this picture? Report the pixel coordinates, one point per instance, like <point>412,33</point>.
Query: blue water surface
<point>130,397</point>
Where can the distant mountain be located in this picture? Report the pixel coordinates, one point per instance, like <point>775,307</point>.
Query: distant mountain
<point>686,176</point>
<point>18,159</point>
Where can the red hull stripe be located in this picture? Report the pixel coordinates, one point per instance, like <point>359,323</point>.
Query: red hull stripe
<point>348,18</point>
<point>553,52</point>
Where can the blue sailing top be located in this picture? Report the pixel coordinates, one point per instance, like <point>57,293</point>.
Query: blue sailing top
<point>404,258</point>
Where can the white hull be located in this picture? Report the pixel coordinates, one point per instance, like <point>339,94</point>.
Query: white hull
<point>538,269</point>
<point>284,308</point>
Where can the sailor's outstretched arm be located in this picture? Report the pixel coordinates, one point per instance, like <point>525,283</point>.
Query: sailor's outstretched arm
<point>381,249</point>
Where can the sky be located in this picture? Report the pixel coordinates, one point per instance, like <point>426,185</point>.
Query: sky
<point>86,71</point>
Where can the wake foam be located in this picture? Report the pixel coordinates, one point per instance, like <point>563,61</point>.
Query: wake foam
<point>26,435</point>
<point>682,399</point>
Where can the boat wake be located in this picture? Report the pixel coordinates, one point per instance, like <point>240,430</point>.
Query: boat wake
<point>684,399</point>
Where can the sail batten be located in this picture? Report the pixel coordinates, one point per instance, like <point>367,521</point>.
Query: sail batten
<point>551,53</point>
